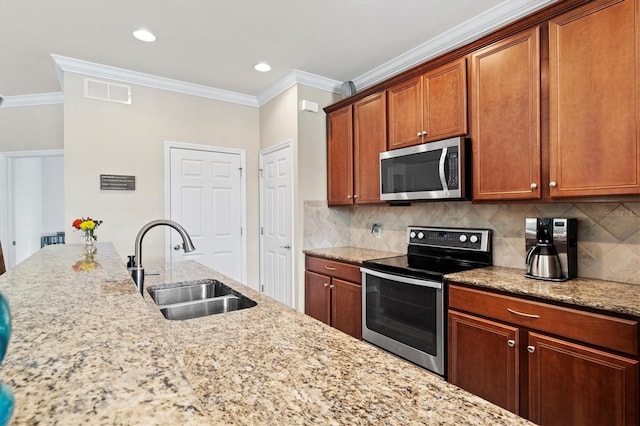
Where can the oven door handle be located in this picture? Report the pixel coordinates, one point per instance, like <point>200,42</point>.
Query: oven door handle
<point>403,279</point>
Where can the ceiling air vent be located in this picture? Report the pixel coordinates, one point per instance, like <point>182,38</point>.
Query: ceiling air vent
<point>107,91</point>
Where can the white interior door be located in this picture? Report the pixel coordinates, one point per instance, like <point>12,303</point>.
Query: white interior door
<point>206,199</point>
<point>276,223</point>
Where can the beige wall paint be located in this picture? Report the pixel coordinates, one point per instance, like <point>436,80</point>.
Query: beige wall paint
<point>112,138</point>
<point>312,170</point>
<point>31,128</point>
<point>281,120</point>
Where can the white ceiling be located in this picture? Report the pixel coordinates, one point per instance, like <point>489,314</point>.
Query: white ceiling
<point>215,43</point>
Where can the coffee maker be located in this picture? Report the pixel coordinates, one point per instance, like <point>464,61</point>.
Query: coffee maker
<point>552,248</point>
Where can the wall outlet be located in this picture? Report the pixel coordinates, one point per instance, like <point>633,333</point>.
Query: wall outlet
<point>376,230</point>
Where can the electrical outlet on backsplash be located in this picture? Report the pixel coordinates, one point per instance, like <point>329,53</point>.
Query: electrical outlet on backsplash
<point>608,233</point>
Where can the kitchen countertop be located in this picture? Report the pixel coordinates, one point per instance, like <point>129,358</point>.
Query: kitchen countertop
<point>350,254</point>
<point>612,296</point>
<point>86,348</point>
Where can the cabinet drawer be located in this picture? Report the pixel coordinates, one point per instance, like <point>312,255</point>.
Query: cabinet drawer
<point>601,330</point>
<point>335,269</point>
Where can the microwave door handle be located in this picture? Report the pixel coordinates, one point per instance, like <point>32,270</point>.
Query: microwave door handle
<point>443,178</point>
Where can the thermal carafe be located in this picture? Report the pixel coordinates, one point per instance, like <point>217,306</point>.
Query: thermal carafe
<point>552,248</point>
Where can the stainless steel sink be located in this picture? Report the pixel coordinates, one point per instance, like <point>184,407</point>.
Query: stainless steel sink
<point>195,299</point>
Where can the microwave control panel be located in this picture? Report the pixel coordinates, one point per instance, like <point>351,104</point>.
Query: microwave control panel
<point>453,163</point>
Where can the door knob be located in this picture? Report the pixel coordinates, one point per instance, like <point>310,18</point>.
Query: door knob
<point>177,247</point>
<point>288,247</point>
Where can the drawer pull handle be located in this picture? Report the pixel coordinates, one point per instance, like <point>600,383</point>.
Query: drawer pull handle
<point>511,343</point>
<point>531,349</point>
<point>523,314</point>
<point>329,268</point>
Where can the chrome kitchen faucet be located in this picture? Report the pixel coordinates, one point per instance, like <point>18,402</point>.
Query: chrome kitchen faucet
<point>137,272</point>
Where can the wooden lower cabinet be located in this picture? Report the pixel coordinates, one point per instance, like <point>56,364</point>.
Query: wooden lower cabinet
<point>575,384</point>
<point>490,346</point>
<point>332,299</point>
<point>543,376</point>
<point>317,297</point>
<point>346,307</point>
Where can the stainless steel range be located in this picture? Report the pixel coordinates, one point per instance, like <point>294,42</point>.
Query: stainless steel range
<point>403,297</point>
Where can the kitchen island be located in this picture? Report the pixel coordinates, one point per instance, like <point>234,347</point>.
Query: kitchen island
<point>86,348</point>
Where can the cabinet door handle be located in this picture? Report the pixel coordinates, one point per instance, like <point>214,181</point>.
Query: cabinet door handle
<point>329,268</point>
<point>531,349</point>
<point>419,134</point>
<point>332,286</point>
<point>348,197</point>
<point>534,185</point>
<point>424,133</point>
<point>355,196</point>
<point>523,314</point>
<point>511,343</point>
<point>326,284</point>
<point>553,184</point>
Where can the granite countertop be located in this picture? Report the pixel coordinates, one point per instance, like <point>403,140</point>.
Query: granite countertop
<point>86,348</point>
<point>616,297</point>
<point>612,296</point>
<point>350,254</point>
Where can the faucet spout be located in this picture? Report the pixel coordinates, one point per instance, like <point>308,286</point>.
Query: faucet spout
<point>137,273</point>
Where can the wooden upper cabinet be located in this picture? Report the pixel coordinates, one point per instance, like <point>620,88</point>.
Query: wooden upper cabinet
<point>340,157</point>
<point>405,113</point>
<point>505,116</point>
<point>444,97</point>
<point>594,58</point>
<point>357,134</point>
<point>369,140</point>
<point>429,107</point>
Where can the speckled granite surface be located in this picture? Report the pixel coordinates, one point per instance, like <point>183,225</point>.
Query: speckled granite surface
<point>87,349</point>
<point>617,297</point>
<point>350,254</point>
<point>611,296</point>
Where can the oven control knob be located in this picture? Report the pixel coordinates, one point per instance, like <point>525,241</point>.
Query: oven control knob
<point>473,239</point>
<point>463,238</point>
<point>412,234</point>
<point>420,235</point>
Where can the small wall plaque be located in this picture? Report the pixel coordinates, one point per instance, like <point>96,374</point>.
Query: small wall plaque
<point>117,183</point>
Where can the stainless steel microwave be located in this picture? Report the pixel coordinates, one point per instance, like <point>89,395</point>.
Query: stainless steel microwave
<point>430,171</point>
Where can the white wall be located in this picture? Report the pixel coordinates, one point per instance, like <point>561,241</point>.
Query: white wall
<point>111,138</point>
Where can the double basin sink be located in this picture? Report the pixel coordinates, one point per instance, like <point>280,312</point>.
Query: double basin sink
<point>199,298</point>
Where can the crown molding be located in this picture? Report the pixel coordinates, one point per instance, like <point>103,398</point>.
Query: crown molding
<point>505,13</point>
<point>33,100</point>
<point>298,77</point>
<point>65,64</point>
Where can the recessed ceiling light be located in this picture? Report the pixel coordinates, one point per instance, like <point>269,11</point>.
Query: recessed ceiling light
<point>144,35</point>
<point>262,67</point>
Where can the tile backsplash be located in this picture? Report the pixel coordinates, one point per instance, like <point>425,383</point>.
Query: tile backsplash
<point>608,233</point>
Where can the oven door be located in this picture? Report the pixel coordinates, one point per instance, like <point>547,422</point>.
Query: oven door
<point>404,316</point>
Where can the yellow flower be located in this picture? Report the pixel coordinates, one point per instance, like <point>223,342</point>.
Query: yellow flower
<point>87,225</point>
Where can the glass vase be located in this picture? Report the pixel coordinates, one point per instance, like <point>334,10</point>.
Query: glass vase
<point>88,238</point>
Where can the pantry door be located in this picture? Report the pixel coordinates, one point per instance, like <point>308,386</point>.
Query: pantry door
<point>276,207</point>
<point>207,198</point>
